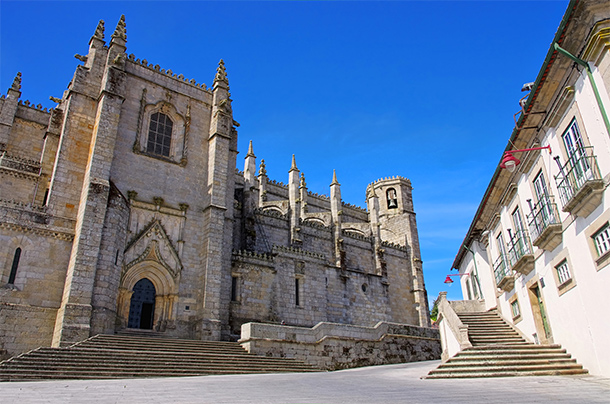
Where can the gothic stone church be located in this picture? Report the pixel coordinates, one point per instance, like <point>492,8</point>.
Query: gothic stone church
<point>122,207</point>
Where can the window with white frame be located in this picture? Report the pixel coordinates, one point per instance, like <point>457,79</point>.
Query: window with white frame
<point>517,222</point>
<point>575,147</point>
<point>602,240</point>
<point>563,272</point>
<point>514,309</point>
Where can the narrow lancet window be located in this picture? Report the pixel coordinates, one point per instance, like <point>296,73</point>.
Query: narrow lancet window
<point>13,275</point>
<point>297,297</point>
<point>234,286</point>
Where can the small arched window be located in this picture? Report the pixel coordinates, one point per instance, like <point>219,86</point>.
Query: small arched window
<point>159,134</point>
<point>13,275</point>
<point>392,198</point>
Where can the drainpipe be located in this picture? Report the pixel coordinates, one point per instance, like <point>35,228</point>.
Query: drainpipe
<point>476,271</point>
<point>590,75</point>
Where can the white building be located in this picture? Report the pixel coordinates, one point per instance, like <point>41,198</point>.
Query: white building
<point>538,248</point>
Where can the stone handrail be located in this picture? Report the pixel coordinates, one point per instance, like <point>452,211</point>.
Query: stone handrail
<point>334,346</point>
<point>453,324</point>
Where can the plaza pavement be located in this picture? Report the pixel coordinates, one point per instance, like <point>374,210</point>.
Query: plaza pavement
<point>389,384</point>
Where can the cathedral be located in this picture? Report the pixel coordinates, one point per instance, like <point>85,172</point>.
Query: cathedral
<point>122,207</point>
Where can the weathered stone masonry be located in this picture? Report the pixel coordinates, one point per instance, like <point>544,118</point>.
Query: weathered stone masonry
<point>133,176</point>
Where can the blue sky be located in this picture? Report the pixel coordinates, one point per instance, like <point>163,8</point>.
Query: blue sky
<point>422,89</point>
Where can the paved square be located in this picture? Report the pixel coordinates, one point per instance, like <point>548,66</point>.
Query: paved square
<point>380,384</point>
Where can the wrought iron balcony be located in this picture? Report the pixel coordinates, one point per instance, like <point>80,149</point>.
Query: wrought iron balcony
<point>545,225</point>
<point>579,182</point>
<point>505,280</point>
<point>520,253</point>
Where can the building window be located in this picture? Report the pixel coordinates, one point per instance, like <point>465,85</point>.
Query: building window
<point>163,131</point>
<point>16,258</point>
<point>297,292</point>
<point>392,198</point>
<point>159,134</point>
<point>234,288</point>
<point>563,272</point>
<point>514,309</point>
<point>602,240</point>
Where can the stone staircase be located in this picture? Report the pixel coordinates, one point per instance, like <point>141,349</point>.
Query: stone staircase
<point>498,350</point>
<point>141,355</point>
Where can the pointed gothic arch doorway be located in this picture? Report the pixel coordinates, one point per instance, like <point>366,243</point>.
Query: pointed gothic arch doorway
<point>142,306</point>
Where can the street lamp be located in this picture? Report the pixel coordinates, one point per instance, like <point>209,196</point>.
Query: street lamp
<point>449,280</point>
<point>511,162</point>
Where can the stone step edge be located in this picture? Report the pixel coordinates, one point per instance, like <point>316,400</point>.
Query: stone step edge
<point>120,375</point>
<point>527,345</point>
<point>115,337</point>
<point>474,364</point>
<point>507,374</point>
<point>160,368</point>
<point>522,368</point>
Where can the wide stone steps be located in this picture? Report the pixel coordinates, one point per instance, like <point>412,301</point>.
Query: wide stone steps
<point>499,351</point>
<point>129,356</point>
<point>50,358</point>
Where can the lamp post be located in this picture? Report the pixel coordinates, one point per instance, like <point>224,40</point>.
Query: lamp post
<point>511,162</point>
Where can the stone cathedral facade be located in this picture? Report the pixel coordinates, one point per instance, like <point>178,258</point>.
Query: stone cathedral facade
<point>123,208</point>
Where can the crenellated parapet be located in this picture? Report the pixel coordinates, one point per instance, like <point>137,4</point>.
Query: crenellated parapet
<point>278,184</point>
<point>351,206</point>
<point>168,72</point>
<point>395,246</point>
<point>356,234</point>
<point>248,256</point>
<point>396,177</point>
<point>297,251</point>
<point>318,196</point>
<point>20,164</point>
<point>29,104</point>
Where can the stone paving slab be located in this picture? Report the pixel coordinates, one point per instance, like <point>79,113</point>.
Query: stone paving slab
<point>389,384</point>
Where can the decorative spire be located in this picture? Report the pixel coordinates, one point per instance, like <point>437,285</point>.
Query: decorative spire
<point>335,182</point>
<point>120,32</point>
<point>250,151</point>
<point>221,73</point>
<point>17,82</point>
<point>99,31</point>
<point>294,164</point>
<point>302,184</point>
<point>262,170</point>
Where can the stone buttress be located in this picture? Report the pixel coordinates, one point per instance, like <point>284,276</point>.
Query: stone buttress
<point>96,90</point>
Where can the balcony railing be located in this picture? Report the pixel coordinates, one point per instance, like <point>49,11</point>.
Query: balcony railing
<point>520,253</point>
<point>500,269</point>
<point>544,214</point>
<point>505,279</point>
<point>578,179</point>
<point>545,224</point>
<point>519,245</point>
